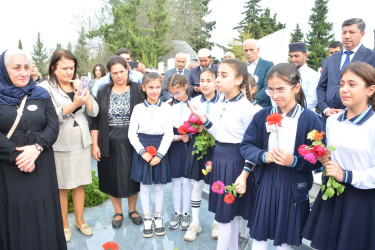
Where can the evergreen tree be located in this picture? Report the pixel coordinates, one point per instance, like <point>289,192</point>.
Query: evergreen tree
<point>319,36</point>
<point>59,46</point>
<point>82,53</point>
<point>146,43</point>
<point>40,56</point>
<point>20,44</point>
<point>69,46</point>
<point>257,21</point>
<point>296,35</point>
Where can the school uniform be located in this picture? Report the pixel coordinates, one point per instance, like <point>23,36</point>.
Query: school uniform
<point>151,125</point>
<point>193,167</point>
<point>177,151</point>
<point>347,221</point>
<point>228,126</point>
<point>281,202</point>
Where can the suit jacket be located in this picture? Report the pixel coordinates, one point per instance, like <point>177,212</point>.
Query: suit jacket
<point>261,72</point>
<point>164,90</point>
<point>328,90</point>
<point>60,99</point>
<point>194,79</point>
<point>101,123</point>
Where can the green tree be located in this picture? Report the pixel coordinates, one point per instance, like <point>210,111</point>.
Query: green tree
<point>20,44</point>
<point>258,21</point>
<point>296,35</point>
<point>69,46</point>
<point>319,36</point>
<point>146,43</point>
<point>59,46</point>
<point>82,53</point>
<point>202,33</point>
<point>40,56</point>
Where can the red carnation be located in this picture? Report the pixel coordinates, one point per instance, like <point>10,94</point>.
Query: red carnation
<point>319,151</point>
<point>274,119</point>
<point>110,245</point>
<point>182,130</point>
<point>151,150</point>
<point>303,150</point>
<point>229,198</point>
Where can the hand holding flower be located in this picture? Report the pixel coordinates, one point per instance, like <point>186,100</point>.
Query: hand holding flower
<point>333,169</point>
<point>185,138</point>
<point>325,157</point>
<point>147,156</point>
<point>200,128</point>
<point>194,109</point>
<point>241,182</point>
<point>283,157</point>
<point>155,161</point>
<point>269,156</point>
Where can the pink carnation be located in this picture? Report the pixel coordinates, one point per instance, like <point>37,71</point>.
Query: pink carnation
<point>187,124</point>
<point>193,118</point>
<point>311,158</point>
<point>218,187</point>
<point>191,130</point>
<point>303,150</point>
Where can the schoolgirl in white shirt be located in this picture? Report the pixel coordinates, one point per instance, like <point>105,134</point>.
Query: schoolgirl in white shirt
<point>178,87</point>
<point>151,126</point>
<point>228,127</point>
<point>351,215</point>
<point>208,102</point>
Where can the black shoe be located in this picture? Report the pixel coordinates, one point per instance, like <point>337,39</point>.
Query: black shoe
<point>117,223</point>
<point>148,230</point>
<point>159,226</point>
<point>136,220</point>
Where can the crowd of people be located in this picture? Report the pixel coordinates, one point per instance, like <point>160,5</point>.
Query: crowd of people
<point>138,126</point>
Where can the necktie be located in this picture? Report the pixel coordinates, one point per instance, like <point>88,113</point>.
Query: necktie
<point>180,72</point>
<point>347,60</point>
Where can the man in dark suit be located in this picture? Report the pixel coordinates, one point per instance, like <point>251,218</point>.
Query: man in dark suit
<point>328,90</point>
<point>258,67</point>
<point>204,56</point>
<point>180,63</point>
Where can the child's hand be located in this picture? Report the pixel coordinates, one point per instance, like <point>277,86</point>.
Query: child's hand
<point>283,157</point>
<point>200,128</point>
<point>147,156</point>
<point>269,156</point>
<point>185,138</point>
<point>333,169</point>
<point>194,109</point>
<point>155,161</point>
<point>241,183</point>
<point>325,157</point>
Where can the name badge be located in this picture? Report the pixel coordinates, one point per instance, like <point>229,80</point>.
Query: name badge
<point>32,107</point>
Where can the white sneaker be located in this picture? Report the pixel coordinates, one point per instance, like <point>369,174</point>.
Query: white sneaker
<point>192,232</point>
<point>214,233</point>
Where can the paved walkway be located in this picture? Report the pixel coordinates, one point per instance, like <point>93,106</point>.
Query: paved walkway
<point>129,236</point>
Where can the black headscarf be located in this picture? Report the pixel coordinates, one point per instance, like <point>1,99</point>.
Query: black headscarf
<point>12,95</point>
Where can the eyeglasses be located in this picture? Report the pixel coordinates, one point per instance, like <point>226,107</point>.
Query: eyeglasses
<point>178,93</point>
<point>280,92</point>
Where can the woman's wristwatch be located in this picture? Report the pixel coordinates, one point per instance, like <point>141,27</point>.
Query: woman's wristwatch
<point>38,147</point>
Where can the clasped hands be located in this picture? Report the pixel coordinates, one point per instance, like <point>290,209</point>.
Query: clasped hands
<point>153,160</point>
<point>26,160</point>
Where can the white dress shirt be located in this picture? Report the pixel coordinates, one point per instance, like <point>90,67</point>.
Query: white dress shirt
<point>251,66</point>
<point>354,140</point>
<point>180,113</point>
<point>151,119</point>
<point>343,57</point>
<point>310,79</point>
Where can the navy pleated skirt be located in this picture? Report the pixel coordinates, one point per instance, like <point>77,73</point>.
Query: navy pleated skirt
<point>274,214</point>
<point>227,165</point>
<point>177,157</point>
<point>193,166</point>
<point>343,222</point>
<point>141,171</point>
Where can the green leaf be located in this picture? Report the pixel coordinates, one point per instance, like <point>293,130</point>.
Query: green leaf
<point>322,188</point>
<point>335,184</point>
<point>330,192</point>
<point>324,173</point>
<point>197,151</point>
<point>341,189</point>
<point>324,196</point>
<point>329,183</point>
<point>331,148</point>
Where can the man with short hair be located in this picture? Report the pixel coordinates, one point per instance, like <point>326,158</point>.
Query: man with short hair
<point>204,57</point>
<point>34,72</point>
<point>180,63</point>
<point>309,77</point>
<point>193,63</point>
<point>328,90</point>
<point>229,55</point>
<point>258,67</point>
<point>334,47</point>
<point>134,75</point>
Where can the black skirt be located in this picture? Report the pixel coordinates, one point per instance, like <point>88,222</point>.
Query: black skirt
<point>177,157</point>
<point>114,171</point>
<point>141,170</point>
<point>343,222</point>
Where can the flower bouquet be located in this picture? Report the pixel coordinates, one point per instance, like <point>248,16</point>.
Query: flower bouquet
<point>208,168</point>
<point>110,245</point>
<point>219,188</point>
<point>316,150</point>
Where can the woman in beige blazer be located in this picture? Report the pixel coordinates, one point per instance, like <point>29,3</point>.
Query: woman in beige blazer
<point>73,146</point>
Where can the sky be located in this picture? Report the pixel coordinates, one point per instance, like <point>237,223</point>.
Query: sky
<point>56,20</point>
